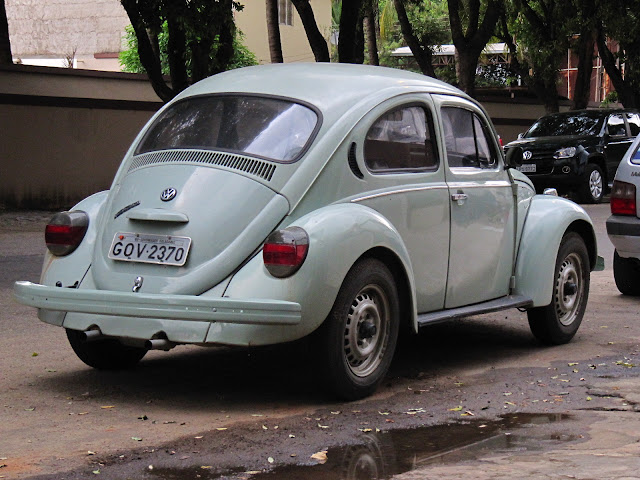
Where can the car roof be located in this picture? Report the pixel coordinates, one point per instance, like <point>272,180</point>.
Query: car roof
<point>331,87</point>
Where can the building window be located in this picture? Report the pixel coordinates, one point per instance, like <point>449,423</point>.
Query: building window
<point>285,12</point>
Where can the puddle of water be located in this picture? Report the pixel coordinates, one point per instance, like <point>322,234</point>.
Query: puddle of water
<point>382,455</point>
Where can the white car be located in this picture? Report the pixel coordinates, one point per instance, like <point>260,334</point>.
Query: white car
<point>623,226</point>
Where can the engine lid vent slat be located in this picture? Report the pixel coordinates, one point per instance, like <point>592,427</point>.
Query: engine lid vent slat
<point>251,166</point>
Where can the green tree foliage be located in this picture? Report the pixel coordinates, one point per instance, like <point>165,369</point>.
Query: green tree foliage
<point>199,33</point>
<point>542,29</point>
<point>130,60</point>
<point>619,20</point>
<point>423,25</point>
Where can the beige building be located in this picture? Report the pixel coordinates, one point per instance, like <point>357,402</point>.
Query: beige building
<point>88,34</point>
<point>295,47</point>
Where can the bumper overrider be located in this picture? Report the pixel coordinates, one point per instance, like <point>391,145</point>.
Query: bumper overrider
<point>163,309</point>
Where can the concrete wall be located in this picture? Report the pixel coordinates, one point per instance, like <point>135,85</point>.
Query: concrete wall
<point>64,132</point>
<point>55,29</point>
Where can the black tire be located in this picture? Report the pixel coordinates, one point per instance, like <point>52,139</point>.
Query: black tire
<point>106,354</point>
<point>592,184</point>
<point>626,272</point>
<point>357,340</point>
<point>559,321</point>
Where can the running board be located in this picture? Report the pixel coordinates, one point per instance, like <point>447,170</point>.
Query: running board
<point>510,301</point>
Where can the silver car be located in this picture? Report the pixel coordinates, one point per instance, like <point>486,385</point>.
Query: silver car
<point>623,226</point>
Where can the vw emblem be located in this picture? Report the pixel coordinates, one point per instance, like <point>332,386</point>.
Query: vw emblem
<point>527,155</point>
<point>168,194</point>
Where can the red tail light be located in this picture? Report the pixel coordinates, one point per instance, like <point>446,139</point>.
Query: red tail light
<point>623,198</point>
<point>65,232</point>
<point>285,250</point>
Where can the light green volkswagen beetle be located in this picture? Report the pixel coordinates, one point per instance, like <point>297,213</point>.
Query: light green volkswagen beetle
<point>344,202</point>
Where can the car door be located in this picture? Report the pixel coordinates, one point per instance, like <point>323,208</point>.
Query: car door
<point>618,141</point>
<point>405,175</point>
<point>482,207</point>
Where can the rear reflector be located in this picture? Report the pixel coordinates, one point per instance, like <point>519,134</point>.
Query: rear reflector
<point>623,198</point>
<point>284,251</point>
<point>65,232</point>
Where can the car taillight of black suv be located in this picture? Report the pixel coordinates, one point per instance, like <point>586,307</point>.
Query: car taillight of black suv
<point>578,151</point>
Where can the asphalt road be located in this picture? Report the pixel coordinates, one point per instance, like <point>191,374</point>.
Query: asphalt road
<point>199,413</point>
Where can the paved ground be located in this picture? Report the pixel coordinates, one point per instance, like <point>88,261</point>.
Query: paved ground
<point>234,411</point>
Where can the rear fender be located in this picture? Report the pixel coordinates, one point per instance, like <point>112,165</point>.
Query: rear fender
<point>338,236</point>
<point>548,220</point>
<point>71,269</point>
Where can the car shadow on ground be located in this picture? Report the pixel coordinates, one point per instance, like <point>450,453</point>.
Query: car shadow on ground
<point>204,378</point>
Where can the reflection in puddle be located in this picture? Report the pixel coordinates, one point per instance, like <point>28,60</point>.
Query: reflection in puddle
<point>382,455</point>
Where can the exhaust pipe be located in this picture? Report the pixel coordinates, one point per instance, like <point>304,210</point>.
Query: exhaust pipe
<point>159,344</point>
<point>92,335</point>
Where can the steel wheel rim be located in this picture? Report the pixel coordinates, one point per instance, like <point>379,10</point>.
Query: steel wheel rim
<point>568,289</point>
<point>595,184</point>
<point>366,332</point>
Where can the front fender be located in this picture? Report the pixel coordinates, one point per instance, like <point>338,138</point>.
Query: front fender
<point>338,236</point>
<point>548,220</point>
<point>71,268</point>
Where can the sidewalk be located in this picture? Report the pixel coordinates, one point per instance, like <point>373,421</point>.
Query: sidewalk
<point>595,445</point>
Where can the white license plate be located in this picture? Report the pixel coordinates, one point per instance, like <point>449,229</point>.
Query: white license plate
<point>527,168</point>
<point>147,248</point>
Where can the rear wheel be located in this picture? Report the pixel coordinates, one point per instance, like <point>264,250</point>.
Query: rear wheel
<point>592,188</point>
<point>559,321</point>
<point>358,338</point>
<point>104,354</point>
<point>626,272</point>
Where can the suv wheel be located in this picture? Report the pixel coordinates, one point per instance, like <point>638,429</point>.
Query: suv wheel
<point>626,272</point>
<point>592,184</point>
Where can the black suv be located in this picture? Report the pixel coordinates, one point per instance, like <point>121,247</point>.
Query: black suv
<point>577,151</point>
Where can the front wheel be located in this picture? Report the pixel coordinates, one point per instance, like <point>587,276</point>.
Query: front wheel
<point>104,354</point>
<point>592,188</point>
<point>626,272</point>
<point>357,340</point>
<point>558,322</point>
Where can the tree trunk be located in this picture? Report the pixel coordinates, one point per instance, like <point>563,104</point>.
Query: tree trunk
<point>358,48</point>
<point>5,43</point>
<point>371,34</point>
<point>176,52</point>
<point>317,42</point>
<point>469,45</point>
<point>421,54</point>
<point>149,60</point>
<point>584,50</point>
<point>349,31</point>
<point>626,95</point>
<point>273,31</point>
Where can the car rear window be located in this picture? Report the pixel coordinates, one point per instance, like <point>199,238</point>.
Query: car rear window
<point>273,128</point>
<point>583,123</point>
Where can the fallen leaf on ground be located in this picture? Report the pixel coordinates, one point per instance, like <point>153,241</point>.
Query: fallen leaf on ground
<point>320,457</point>
<point>456,409</point>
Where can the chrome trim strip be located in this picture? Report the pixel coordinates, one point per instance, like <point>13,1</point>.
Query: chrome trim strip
<point>396,192</point>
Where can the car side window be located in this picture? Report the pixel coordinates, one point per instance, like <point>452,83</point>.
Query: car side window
<point>615,125</point>
<point>401,140</point>
<point>467,139</point>
<point>634,123</point>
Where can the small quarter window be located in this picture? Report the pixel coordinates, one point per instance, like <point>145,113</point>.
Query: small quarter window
<point>468,139</point>
<point>401,140</point>
<point>634,123</point>
<point>615,126</point>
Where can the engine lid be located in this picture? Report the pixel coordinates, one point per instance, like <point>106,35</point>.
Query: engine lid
<point>224,215</point>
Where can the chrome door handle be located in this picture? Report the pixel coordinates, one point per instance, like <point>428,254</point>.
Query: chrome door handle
<point>459,197</point>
